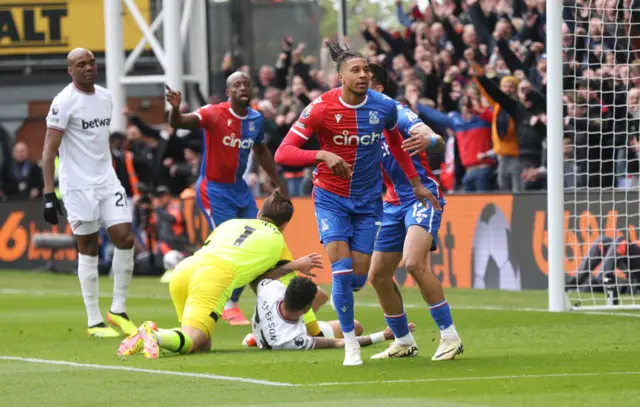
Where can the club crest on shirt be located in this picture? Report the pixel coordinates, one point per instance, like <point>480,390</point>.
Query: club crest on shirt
<point>252,126</point>
<point>306,112</point>
<point>54,110</point>
<point>373,118</point>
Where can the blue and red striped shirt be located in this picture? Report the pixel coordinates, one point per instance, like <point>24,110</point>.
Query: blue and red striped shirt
<point>399,190</point>
<point>228,140</point>
<point>352,132</point>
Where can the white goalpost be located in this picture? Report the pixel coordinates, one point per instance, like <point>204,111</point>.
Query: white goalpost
<point>593,126</point>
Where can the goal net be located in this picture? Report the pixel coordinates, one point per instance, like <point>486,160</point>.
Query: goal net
<point>601,82</point>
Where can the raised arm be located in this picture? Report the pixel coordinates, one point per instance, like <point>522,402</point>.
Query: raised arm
<point>176,119</point>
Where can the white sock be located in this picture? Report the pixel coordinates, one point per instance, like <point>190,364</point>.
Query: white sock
<point>88,276</point>
<point>405,340</point>
<point>449,332</point>
<point>122,268</point>
<point>350,339</point>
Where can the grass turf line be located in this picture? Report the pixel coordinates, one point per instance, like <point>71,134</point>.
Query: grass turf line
<point>578,358</point>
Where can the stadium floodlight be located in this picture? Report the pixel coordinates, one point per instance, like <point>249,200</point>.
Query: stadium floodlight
<point>593,191</point>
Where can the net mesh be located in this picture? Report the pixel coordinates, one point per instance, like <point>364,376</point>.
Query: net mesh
<point>601,40</point>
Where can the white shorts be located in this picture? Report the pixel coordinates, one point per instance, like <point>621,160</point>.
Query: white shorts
<point>88,209</point>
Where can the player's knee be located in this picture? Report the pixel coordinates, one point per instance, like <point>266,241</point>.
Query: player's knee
<point>415,266</point>
<point>88,244</point>
<point>199,340</point>
<point>379,279</point>
<point>124,242</point>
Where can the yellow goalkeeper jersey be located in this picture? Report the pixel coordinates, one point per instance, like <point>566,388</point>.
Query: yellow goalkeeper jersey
<point>252,246</point>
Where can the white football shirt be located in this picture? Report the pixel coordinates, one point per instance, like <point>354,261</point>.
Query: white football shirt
<point>271,330</point>
<point>85,156</point>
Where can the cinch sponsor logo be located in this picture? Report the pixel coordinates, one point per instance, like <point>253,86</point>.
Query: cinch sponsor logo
<point>32,25</point>
<point>345,139</point>
<point>95,123</point>
<point>234,142</point>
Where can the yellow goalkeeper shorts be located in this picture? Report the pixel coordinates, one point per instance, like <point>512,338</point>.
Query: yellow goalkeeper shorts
<point>199,289</point>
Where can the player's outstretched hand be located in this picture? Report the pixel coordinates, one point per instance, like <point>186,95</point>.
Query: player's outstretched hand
<point>52,207</point>
<point>174,97</point>
<point>336,164</point>
<point>424,195</point>
<point>305,264</point>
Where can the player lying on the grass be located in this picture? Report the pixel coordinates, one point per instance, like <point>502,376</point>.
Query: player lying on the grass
<point>328,329</point>
<point>236,253</point>
<point>278,320</point>
<point>409,231</point>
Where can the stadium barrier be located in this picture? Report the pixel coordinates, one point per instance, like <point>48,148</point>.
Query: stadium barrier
<point>485,241</point>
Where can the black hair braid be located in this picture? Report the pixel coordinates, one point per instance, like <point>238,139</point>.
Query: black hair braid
<point>339,54</point>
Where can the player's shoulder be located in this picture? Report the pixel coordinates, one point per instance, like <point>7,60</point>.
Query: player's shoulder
<point>65,96</point>
<point>318,106</point>
<point>102,92</point>
<point>270,284</point>
<point>377,98</point>
<point>254,115</point>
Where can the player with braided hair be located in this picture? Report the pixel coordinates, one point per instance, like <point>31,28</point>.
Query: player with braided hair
<point>349,122</point>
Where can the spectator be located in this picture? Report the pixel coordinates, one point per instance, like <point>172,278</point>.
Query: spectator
<point>473,137</point>
<point>503,134</point>
<point>21,177</point>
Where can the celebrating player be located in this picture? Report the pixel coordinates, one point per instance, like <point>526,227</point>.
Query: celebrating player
<point>409,231</point>
<point>231,130</point>
<point>278,321</point>
<point>236,253</point>
<point>78,126</point>
<point>348,122</point>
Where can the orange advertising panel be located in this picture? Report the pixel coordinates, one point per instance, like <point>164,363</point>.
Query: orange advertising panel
<point>485,241</point>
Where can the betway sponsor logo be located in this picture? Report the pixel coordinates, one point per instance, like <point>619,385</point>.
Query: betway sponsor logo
<point>95,123</point>
<point>346,139</point>
<point>232,141</point>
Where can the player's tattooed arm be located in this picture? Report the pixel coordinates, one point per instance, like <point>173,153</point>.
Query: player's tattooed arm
<point>176,119</point>
<point>52,140</point>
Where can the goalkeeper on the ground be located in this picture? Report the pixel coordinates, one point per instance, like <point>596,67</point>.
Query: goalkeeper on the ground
<point>235,254</point>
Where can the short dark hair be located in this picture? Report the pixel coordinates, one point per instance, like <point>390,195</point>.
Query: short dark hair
<point>278,208</point>
<point>300,294</point>
<point>340,55</point>
<point>379,76</point>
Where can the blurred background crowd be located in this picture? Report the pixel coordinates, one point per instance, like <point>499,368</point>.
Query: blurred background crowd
<point>473,70</point>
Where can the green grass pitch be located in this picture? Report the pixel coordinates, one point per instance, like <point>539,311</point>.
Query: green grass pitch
<point>515,355</point>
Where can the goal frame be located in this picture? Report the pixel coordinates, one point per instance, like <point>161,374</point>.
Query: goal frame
<point>558,298</point>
